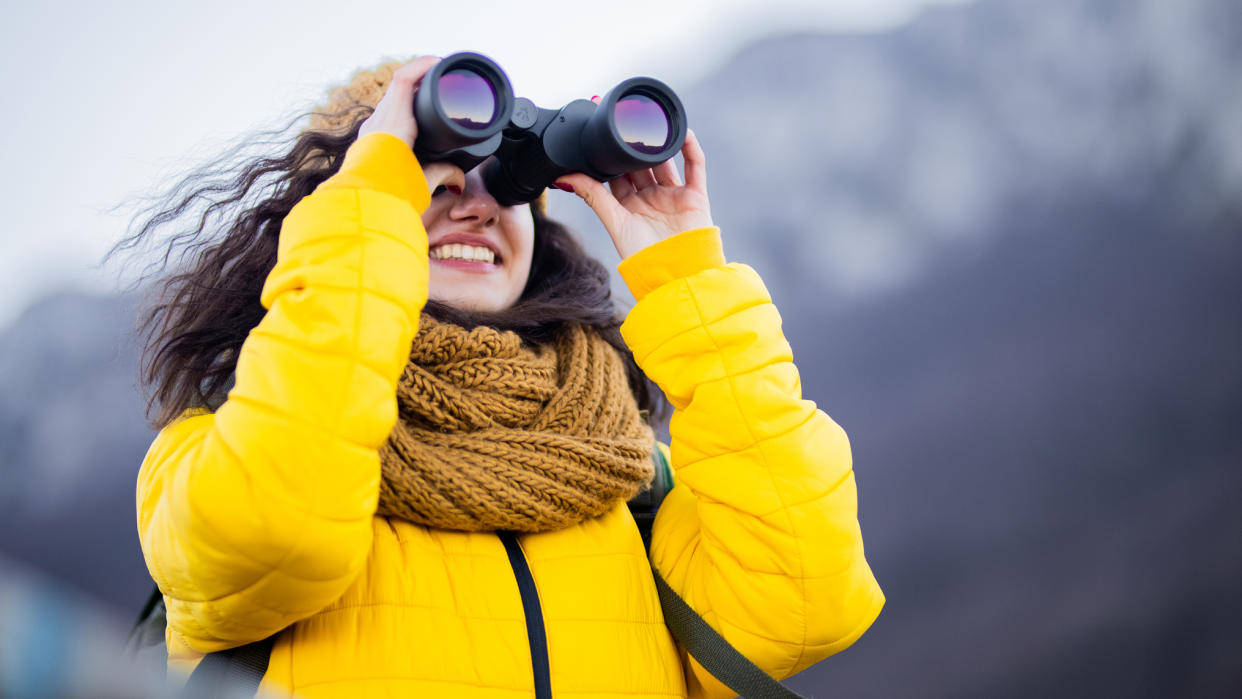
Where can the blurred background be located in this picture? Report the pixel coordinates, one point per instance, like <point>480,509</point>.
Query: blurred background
<point>1005,237</point>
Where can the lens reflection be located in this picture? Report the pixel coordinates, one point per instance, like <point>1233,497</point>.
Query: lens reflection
<point>468,98</point>
<point>642,123</point>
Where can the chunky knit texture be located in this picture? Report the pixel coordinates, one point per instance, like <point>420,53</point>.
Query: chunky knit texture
<point>495,435</point>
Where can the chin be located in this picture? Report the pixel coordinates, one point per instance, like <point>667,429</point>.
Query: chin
<point>472,304</point>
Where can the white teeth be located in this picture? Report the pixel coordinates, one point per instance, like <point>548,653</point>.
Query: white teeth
<point>457,251</point>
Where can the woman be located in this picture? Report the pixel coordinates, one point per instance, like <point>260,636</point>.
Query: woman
<point>417,478</point>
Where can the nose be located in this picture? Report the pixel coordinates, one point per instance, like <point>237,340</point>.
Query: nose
<point>475,204</point>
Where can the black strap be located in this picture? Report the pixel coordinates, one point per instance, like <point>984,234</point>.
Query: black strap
<point>646,504</point>
<point>156,597</point>
<point>241,669</point>
<point>695,635</point>
<point>713,652</point>
<point>233,673</point>
<point>536,634</point>
<point>148,630</point>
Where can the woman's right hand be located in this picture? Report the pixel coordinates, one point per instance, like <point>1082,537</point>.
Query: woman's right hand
<point>395,115</point>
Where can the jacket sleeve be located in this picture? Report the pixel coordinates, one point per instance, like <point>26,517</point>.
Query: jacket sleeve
<point>761,534</point>
<point>259,514</point>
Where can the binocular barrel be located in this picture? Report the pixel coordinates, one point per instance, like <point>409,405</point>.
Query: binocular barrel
<point>466,113</point>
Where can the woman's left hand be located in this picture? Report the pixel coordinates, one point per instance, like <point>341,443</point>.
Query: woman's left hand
<point>647,206</point>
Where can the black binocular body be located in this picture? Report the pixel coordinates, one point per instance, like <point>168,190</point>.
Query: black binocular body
<point>467,112</point>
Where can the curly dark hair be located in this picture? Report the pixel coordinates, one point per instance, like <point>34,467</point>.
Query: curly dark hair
<point>201,312</point>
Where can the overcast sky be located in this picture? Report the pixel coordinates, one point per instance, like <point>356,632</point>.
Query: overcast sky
<point>104,103</point>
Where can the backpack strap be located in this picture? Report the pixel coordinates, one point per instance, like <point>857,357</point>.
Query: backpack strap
<point>713,652</point>
<point>241,669</point>
<point>645,505</point>
<point>148,629</point>
<point>233,673</point>
<point>155,598</point>
<point>699,639</point>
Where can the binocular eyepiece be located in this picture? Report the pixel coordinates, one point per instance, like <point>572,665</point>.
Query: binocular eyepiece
<point>466,112</point>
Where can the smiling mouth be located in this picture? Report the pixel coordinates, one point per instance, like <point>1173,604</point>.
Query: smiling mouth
<point>459,252</point>
<point>467,265</point>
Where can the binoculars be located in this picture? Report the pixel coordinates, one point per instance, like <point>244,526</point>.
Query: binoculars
<point>467,113</point>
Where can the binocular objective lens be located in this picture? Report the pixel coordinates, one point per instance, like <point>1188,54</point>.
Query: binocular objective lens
<point>642,123</point>
<point>468,98</point>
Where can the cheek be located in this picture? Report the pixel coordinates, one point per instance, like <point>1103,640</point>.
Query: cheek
<point>522,240</point>
<point>528,249</point>
<point>433,216</point>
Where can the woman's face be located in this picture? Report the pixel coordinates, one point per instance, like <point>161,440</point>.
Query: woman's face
<point>480,250</point>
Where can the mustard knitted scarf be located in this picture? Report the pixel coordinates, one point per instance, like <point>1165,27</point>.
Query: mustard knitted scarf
<point>494,435</point>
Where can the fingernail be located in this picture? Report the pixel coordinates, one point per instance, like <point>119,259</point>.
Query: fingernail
<point>594,98</point>
<point>563,187</point>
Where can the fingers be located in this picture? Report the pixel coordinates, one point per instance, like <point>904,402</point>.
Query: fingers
<point>696,163</point>
<point>393,113</point>
<point>621,187</point>
<point>406,79</point>
<point>666,174</point>
<point>597,196</point>
<point>641,179</point>
<point>410,74</point>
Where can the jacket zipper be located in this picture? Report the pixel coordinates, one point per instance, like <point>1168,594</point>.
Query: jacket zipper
<point>536,634</point>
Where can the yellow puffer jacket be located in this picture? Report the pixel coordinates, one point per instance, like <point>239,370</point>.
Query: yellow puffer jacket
<point>260,517</point>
